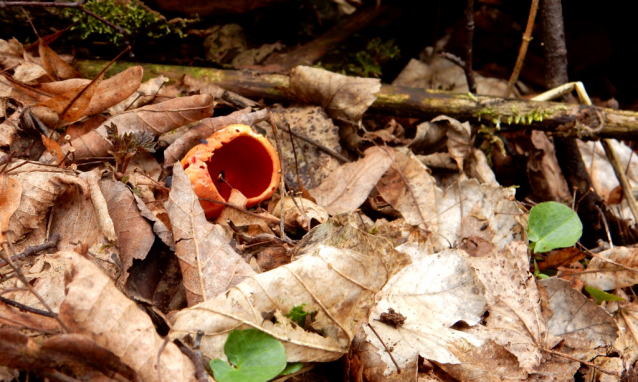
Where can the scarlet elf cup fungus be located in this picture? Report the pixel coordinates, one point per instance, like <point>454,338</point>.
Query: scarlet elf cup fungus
<point>234,156</point>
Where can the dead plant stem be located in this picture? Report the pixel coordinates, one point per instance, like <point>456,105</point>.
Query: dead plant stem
<point>527,37</point>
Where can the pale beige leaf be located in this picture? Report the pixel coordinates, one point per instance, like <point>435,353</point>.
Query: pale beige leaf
<point>144,94</point>
<point>47,278</point>
<point>115,89</point>
<point>134,233</point>
<point>610,277</point>
<point>74,218</point>
<point>209,264</point>
<point>349,185</point>
<point>41,187</point>
<point>627,342</point>
<point>10,192</point>
<point>578,320</point>
<point>99,203</point>
<point>354,264</point>
<point>29,73</point>
<point>301,212</point>
<point>416,200</point>
<point>342,97</point>
<point>95,308</point>
<point>11,53</point>
<point>458,139</point>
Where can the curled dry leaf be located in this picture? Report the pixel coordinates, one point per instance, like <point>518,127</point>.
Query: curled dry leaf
<point>301,212</point>
<point>61,87</point>
<point>349,185</point>
<point>41,187</point>
<point>458,139</point>
<point>155,119</point>
<point>73,104</point>
<point>54,148</point>
<point>546,177</point>
<point>99,203</point>
<point>95,308</point>
<point>9,130</point>
<point>11,53</point>
<point>10,191</point>
<point>134,233</point>
<point>144,94</point>
<point>28,73</point>
<point>610,277</point>
<point>416,200</point>
<point>209,264</point>
<point>114,90</point>
<point>342,97</point>
<point>356,265</point>
<point>54,65</point>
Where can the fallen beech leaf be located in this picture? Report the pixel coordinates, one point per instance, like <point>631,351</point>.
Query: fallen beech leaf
<point>342,97</point>
<point>10,191</point>
<point>114,90</point>
<point>54,149</point>
<point>25,89</point>
<point>9,129</point>
<point>10,316</point>
<point>354,264</point>
<point>458,139</point>
<point>11,53</point>
<point>55,66</point>
<point>349,185</point>
<point>61,87</point>
<point>144,94</point>
<point>41,187</point>
<point>134,233</point>
<point>155,119</point>
<point>46,115</point>
<point>72,105</point>
<point>95,308</point>
<point>209,264</point>
<point>610,277</point>
<point>421,189</point>
<point>301,212</point>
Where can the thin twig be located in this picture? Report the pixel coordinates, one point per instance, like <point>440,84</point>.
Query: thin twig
<point>610,261</point>
<point>602,214</point>
<point>386,349</point>
<point>469,41</point>
<point>196,358</point>
<point>250,213</point>
<point>453,59</point>
<point>527,37</point>
<point>32,250</point>
<point>318,145</point>
<point>27,308</point>
<point>282,186</point>
<point>622,177</point>
<point>559,354</point>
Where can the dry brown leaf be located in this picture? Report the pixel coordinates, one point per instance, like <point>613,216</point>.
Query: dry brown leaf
<point>99,203</point>
<point>11,53</point>
<point>545,175</point>
<point>301,212</point>
<point>240,218</point>
<point>417,200</point>
<point>144,94</point>
<point>41,187</point>
<point>627,342</point>
<point>155,119</point>
<point>349,185</point>
<point>114,90</point>
<point>61,87</point>
<point>355,264</point>
<point>610,277</point>
<point>313,166</point>
<point>10,191</point>
<point>95,308</point>
<point>12,317</point>
<point>134,233</point>
<point>46,115</point>
<point>159,227</point>
<point>563,258</point>
<point>54,65</point>
<point>9,130</point>
<point>209,264</point>
<point>342,97</point>
<point>54,148</point>
<point>72,105</point>
<point>23,89</point>
<point>458,139</point>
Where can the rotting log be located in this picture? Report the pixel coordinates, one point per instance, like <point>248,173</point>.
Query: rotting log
<point>511,114</point>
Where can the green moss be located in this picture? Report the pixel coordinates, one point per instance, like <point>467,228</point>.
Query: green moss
<point>133,16</point>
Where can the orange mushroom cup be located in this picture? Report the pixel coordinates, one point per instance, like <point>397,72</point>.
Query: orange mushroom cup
<point>243,159</point>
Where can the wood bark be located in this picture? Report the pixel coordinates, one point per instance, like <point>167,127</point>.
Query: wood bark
<point>514,114</point>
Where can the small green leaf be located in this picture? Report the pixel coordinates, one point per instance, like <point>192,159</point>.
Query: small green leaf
<point>601,296</point>
<point>257,357</point>
<point>292,368</point>
<point>298,315</point>
<point>553,225</point>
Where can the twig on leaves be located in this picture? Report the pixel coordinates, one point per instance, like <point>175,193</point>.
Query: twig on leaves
<point>318,145</point>
<point>282,187</point>
<point>386,348</point>
<point>586,363</point>
<point>527,37</point>
<point>32,250</point>
<point>196,358</point>
<point>27,308</point>
<point>157,362</point>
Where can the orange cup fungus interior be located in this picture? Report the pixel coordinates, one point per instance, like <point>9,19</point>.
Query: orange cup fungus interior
<point>245,160</point>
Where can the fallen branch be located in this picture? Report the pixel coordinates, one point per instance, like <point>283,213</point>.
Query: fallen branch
<point>511,114</point>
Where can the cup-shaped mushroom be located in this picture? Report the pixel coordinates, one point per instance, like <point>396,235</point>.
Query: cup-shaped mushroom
<point>232,157</point>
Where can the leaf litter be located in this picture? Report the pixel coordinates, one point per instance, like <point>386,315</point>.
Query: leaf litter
<point>441,275</point>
